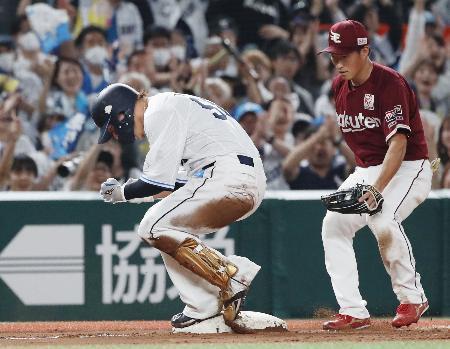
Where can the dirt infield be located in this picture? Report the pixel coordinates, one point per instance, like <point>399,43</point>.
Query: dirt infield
<point>148,332</point>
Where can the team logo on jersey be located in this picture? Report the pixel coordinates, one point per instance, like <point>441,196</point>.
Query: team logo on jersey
<point>394,115</point>
<point>108,109</point>
<point>369,101</point>
<point>335,37</point>
<point>356,123</point>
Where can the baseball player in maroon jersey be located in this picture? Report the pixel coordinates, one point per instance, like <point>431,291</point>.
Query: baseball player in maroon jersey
<point>379,118</point>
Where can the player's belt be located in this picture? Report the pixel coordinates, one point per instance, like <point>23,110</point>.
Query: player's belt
<point>244,160</point>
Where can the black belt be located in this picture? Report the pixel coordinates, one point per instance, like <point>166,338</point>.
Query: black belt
<point>244,160</point>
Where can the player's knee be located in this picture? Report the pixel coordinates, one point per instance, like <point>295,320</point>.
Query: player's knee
<point>146,227</point>
<point>143,232</point>
<point>337,225</point>
<point>151,225</point>
<point>329,225</point>
<point>379,225</point>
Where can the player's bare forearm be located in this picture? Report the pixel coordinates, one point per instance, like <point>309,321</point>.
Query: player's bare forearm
<point>348,155</point>
<point>392,161</point>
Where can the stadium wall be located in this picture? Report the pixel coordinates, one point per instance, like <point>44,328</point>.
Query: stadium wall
<point>69,256</point>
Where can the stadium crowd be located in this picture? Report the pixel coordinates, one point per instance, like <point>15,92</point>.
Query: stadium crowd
<point>255,58</point>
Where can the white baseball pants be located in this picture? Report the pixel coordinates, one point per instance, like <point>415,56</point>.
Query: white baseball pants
<point>409,187</point>
<point>203,205</point>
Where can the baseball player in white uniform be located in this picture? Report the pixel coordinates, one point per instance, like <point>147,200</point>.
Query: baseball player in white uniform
<point>224,183</point>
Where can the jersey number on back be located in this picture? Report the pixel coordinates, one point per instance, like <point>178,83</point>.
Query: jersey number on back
<point>218,112</point>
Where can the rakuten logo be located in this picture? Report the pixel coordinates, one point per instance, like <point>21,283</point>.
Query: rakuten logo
<point>350,123</point>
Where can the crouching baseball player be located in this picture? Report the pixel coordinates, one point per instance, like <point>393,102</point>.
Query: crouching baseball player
<point>225,183</point>
<point>378,115</point>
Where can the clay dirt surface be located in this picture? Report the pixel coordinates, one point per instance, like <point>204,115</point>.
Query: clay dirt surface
<point>159,332</point>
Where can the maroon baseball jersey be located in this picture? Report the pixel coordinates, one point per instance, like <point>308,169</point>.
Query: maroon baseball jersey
<point>370,114</point>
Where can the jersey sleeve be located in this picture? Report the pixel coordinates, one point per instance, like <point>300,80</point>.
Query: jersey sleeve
<point>395,109</point>
<point>162,163</point>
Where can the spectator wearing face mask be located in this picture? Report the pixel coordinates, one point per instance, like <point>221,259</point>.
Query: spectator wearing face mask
<point>95,57</point>
<point>31,66</point>
<point>161,60</point>
<point>121,21</point>
<point>7,54</point>
<point>179,46</point>
<point>187,15</point>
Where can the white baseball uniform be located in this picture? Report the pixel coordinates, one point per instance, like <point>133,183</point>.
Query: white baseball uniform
<point>369,116</point>
<point>223,168</point>
<point>409,187</point>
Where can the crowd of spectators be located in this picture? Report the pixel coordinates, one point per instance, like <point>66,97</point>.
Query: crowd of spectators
<point>55,56</point>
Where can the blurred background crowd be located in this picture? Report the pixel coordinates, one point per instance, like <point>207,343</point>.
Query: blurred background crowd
<point>255,58</point>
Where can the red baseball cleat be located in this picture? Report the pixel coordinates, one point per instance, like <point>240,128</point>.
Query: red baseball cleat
<point>345,322</point>
<point>408,314</point>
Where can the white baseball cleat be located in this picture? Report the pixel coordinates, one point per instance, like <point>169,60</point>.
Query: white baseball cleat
<point>245,322</point>
<point>185,324</point>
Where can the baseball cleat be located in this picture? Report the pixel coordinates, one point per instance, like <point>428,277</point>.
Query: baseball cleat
<point>408,314</point>
<point>181,321</point>
<point>233,306</point>
<point>233,297</point>
<point>346,322</point>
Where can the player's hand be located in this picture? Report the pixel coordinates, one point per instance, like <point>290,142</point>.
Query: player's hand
<point>112,191</point>
<point>370,200</point>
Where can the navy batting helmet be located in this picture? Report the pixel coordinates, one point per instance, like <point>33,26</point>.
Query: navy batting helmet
<point>114,106</point>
